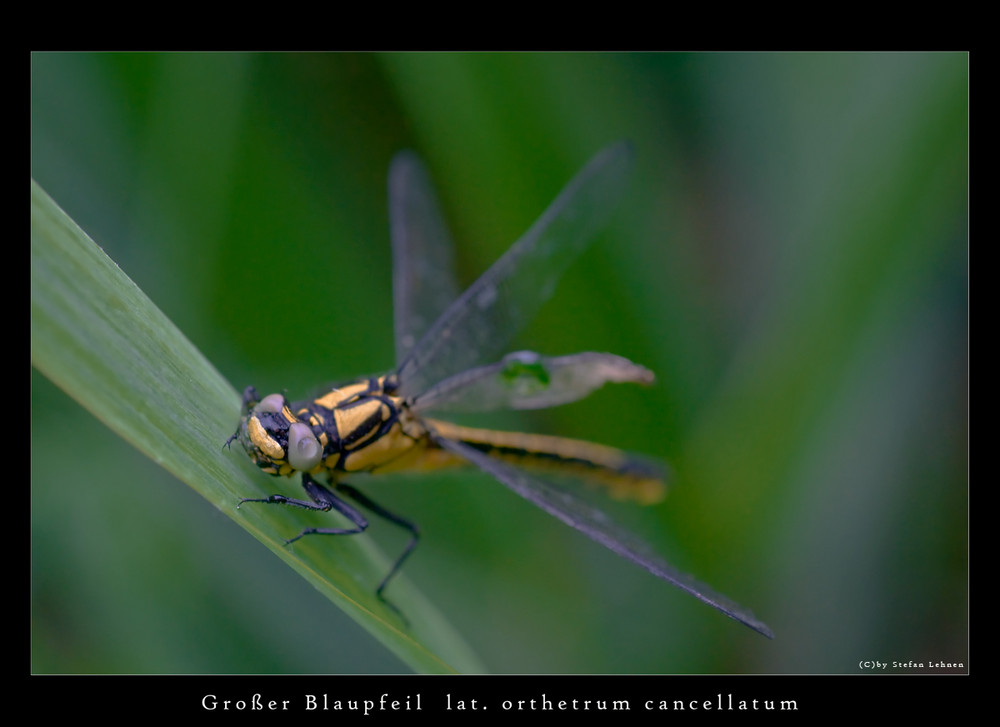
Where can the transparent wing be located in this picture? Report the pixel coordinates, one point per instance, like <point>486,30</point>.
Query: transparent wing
<point>422,259</point>
<point>596,525</point>
<point>527,380</point>
<point>479,325</point>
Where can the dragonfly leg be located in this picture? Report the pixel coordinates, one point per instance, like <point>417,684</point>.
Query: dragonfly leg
<point>324,500</point>
<point>392,517</point>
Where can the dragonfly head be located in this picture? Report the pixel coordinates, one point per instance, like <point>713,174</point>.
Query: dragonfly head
<point>277,441</point>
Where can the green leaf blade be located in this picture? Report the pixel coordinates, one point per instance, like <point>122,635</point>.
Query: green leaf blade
<point>100,339</point>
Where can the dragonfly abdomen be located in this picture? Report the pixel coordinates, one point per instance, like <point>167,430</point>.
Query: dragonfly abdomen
<point>624,475</point>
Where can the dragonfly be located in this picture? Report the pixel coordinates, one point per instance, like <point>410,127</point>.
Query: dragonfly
<point>450,358</point>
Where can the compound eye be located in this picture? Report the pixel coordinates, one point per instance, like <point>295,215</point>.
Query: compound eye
<point>304,451</point>
<point>272,403</point>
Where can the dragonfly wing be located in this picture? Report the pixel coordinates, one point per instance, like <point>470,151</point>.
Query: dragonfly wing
<point>596,525</point>
<point>478,325</point>
<point>527,380</point>
<point>423,269</point>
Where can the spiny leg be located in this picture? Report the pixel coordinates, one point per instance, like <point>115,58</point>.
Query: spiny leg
<point>414,531</point>
<point>324,500</point>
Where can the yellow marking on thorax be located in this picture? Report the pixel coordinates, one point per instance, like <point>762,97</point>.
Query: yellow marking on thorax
<point>392,450</point>
<point>334,398</point>
<point>352,418</point>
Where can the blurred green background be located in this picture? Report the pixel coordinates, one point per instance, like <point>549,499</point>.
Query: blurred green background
<point>791,259</point>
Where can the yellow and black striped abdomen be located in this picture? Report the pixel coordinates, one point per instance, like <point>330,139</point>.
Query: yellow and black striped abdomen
<point>624,475</point>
